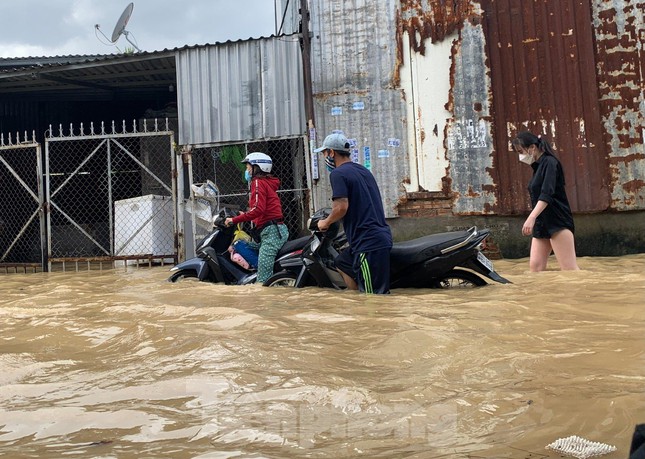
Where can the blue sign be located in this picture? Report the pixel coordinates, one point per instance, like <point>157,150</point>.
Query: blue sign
<point>358,106</point>
<point>367,158</point>
<point>336,111</point>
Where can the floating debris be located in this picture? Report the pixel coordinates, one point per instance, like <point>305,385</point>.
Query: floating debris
<point>580,448</point>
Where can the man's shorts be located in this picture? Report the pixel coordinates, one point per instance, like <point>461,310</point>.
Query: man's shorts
<point>371,270</point>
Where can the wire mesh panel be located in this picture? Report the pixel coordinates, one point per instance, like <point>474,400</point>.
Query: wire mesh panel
<point>21,219</point>
<point>218,177</point>
<point>110,197</point>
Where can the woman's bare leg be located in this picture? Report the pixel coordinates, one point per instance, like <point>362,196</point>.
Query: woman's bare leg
<point>564,248</point>
<point>540,251</point>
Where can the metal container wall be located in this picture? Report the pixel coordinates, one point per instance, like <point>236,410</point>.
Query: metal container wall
<point>354,63</point>
<point>543,73</point>
<point>469,137</point>
<point>240,91</point>
<point>571,70</point>
<point>619,28</point>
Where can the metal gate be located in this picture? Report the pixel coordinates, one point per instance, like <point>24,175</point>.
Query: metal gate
<point>110,196</point>
<point>217,175</point>
<point>22,224</point>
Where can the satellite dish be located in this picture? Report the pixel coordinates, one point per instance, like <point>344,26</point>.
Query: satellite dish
<point>119,28</point>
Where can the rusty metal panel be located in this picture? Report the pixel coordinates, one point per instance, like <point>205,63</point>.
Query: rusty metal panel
<point>240,90</point>
<point>426,81</point>
<point>469,133</point>
<point>429,39</point>
<point>541,60</point>
<point>620,40</point>
<point>450,35</point>
<point>354,71</point>
<point>433,19</point>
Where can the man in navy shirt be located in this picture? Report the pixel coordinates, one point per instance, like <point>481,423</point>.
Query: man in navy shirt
<point>356,199</point>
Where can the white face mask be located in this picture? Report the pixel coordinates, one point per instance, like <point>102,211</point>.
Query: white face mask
<point>526,158</point>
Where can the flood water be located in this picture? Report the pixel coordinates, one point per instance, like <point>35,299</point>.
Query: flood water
<point>123,364</point>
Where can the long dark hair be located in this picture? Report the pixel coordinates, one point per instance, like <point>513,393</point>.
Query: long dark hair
<point>525,139</point>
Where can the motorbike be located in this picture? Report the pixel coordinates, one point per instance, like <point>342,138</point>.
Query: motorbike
<point>445,260</point>
<point>213,263</point>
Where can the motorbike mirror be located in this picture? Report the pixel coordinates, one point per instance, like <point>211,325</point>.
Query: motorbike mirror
<point>223,214</point>
<point>219,220</point>
<point>316,217</point>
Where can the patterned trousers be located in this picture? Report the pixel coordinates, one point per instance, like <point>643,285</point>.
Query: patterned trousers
<point>272,239</point>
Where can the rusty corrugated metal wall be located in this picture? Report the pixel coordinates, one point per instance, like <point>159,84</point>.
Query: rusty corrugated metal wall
<point>542,68</point>
<point>450,102</point>
<point>619,28</point>
<point>569,69</point>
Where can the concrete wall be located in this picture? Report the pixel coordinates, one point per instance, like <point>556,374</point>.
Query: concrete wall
<point>607,234</point>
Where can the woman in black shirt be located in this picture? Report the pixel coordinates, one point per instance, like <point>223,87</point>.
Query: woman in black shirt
<point>551,221</point>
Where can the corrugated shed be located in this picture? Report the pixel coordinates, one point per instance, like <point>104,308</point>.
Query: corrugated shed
<point>240,91</point>
<point>354,71</point>
<point>620,55</point>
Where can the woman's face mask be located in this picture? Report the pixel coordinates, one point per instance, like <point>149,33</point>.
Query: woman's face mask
<point>247,176</point>
<point>330,163</point>
<point>525,156</point>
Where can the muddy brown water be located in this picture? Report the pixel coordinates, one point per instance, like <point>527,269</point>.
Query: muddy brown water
<point>123,364</point>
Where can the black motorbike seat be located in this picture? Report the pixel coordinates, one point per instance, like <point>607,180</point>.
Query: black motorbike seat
<point>293,245</point>
<point>424,248</point>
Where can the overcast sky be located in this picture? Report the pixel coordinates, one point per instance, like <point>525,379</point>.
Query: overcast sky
<point>67,27</point>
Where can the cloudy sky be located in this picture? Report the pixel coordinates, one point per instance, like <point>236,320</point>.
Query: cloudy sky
<point>67,27</point>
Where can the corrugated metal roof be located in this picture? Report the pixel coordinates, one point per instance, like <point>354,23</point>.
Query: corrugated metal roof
<point>16,63</point>
<point>240,91</point>
<point>93,74</point>
<point>96,73</point>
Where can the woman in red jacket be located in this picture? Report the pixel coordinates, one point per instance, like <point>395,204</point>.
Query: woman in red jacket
<point>265,212</point>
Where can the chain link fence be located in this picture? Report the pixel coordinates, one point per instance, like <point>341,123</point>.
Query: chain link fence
<point>107,198</point>
<point>110,197</point>
<point>21,219</point>
<point>219,168</point>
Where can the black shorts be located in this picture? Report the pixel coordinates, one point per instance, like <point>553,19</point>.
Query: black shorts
<point>545,231</point>
<point>371,270</point>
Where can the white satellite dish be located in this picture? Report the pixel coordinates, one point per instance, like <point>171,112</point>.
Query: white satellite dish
<point>119,28</point>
